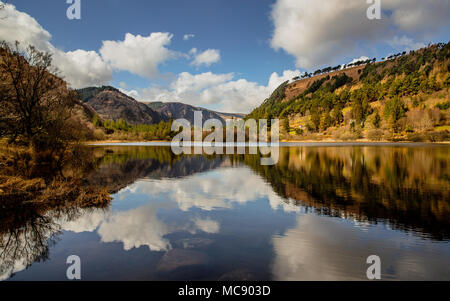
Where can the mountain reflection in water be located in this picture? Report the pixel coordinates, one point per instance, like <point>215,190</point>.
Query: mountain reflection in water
<point>316,215</point>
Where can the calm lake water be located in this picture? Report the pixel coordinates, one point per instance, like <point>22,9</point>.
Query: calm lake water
<point>316,215</point>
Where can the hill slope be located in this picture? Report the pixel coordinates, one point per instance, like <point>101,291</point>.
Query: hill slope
<point>111,104</point>
<point>177,110</point>
<point>403,98</point>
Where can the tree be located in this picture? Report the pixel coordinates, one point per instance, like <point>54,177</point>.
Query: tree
<point>377,120</point>
<point>96,121</point>
<point>361,108</point>
<point>326,121</point>
<point>35,105</point>
<point>394,110</point>
<point>337,115</point>
<point>315,119</point>
<point>286,125</point>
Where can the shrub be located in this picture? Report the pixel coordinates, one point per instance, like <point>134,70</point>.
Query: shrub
<point>99,134</point>
<point>299,131</point>
<point>375,135</point>
<point>437,136</point>
<point>443,106</point>
<point>415,137</point>
<point>419,120</point>
<point>435,116</point>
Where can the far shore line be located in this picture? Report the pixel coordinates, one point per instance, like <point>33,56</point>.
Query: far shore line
<point>322,142</point>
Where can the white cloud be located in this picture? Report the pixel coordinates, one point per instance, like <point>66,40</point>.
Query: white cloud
<point>88,221</point>
<point>137,54</point>
<point>80,68</point>
<point>318,33</point>
<point>19,26</point>
<point>132,93</point>
<point>418,16</point>
<point>136,228</point>
<point>276,80</point>
<point>187,81</point>
<point>207,225</point>
<point>217,91</point>
<point>362,58</point>
<point>405,43</point>
<point>218,189</point>
<point>188,36</point>
<point>206,58</point>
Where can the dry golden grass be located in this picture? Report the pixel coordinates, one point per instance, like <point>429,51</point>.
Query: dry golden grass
<point>23,180</point>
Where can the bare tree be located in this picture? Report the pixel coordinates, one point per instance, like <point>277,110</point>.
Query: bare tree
<point>35,105</point>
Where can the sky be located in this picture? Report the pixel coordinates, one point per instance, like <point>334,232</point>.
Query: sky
<point>226,55</point>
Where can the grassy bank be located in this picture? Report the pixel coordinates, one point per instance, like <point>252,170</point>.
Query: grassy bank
<point>26,177</point>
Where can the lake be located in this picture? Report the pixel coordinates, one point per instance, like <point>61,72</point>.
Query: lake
<point>318,214</point>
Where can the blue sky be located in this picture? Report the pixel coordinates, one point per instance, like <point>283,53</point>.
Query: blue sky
<point>240,29</point>
<point>256,44</point>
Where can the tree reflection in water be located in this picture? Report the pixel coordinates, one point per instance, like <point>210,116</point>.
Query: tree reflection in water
<point>407,187</point>
<point>31,207</point>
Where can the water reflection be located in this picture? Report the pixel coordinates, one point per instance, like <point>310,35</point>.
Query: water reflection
<point>408,187</point>
<point>316,215</point>
<point>28,231</point>
<point>329,249</point>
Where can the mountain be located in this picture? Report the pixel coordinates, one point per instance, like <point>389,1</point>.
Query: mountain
<point>176,110</point>
<point>111,104</point>
<point>402,98</point>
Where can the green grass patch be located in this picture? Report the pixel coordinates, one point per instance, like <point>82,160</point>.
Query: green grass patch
<point>442,128</point>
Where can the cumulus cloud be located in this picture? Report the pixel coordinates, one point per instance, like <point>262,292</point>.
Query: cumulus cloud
<point>319,34</point>
<point>19,26</point>
<point>217,91</point>
<point>136,228</point>
<point>138,54</point>
<point>188,36</point>
<point>80,68</point>
<point>206,58</point>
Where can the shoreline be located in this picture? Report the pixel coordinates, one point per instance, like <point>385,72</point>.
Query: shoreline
<point>323,142</point>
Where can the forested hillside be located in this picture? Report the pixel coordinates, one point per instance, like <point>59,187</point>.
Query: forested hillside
<point>403,98</point>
